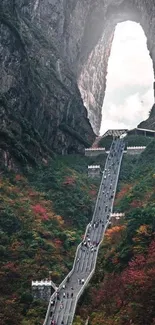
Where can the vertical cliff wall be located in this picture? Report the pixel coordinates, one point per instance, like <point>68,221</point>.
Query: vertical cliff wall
<point>40,103</point>
<point>49,48</point>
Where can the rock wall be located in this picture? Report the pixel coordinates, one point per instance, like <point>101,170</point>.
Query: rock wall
<point>47,47</point>
<point>40,104</point>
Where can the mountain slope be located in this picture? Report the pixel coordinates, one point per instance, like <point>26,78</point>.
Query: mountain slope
<point>123,289</point>
<point>40,227</point>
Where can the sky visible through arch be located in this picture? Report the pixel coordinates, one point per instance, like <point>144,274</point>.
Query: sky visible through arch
<point>129,93</point>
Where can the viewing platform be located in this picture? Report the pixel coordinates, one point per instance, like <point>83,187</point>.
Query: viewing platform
<point>115,218</point>
<point>93,152</point>
<point>94,171</point>
<point>41,283</point>
<point>135,150</point>
<point>42,289</point>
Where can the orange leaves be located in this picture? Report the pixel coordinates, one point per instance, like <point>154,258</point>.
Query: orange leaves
<point>43,240</point>
<point>114,230</point>
<point>143,235</point>
<point>114,234</point>
<point>59,219</point>
<point>16,245</point>
<point>143,230</point>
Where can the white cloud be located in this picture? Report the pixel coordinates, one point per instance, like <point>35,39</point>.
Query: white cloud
<point>129,93</point>
<point>129,57</point>
<point>112,125</point>
<point>129,114</point>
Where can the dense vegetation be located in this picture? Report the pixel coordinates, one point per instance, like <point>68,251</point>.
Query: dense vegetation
<point>123,289</point>
<point>43,218</point>
<point>105,142</point>
<point>130,141</point>
<point>137,140</point>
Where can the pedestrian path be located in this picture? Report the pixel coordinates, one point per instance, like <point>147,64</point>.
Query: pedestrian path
<point>63,302</point>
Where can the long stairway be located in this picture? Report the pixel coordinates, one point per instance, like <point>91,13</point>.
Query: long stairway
<point>63,302</point>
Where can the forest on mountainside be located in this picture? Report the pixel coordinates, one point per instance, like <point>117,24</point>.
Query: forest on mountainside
<point>43,218</point>
<point>122,291</point>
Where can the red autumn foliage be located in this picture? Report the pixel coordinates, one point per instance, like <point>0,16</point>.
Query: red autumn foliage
<point>41,211</point>
<point>127,297</point>
<point>19,177</point>
<point>93,193</point>
<point>136,204</point>
<point>123,191</point>
<point>151,252</point>
<point>57,242</point>
<point>69,180</point>
<point>10,266</point>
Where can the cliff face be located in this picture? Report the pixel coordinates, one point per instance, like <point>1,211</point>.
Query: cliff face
<point>48,47</point>
<point>40,103</point>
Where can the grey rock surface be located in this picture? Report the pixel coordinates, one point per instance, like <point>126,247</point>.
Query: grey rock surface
<point>38,89</point>
<point>52,52</point>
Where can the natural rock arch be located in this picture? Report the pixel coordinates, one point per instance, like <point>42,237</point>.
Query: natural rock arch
<point>46,48</point>
<point>94,37</point>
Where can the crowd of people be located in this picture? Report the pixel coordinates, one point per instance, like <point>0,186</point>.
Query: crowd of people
<point>86,253</point>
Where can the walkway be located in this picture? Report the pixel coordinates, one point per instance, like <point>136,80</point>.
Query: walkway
<point>63,303</point>
<point>114,133</point>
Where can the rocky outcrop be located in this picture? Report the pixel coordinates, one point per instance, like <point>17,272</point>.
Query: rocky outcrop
<point>48,49</point>
<point>150,122</point>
